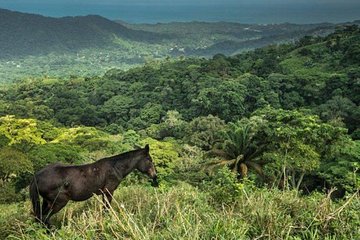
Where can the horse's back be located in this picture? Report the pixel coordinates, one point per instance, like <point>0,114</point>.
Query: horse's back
<point>49,167</point>
<point>49,177</point>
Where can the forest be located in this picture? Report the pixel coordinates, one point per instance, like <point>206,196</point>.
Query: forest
<point>263,144</point>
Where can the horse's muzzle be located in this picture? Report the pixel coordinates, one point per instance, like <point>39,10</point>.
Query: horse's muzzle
<point>155,182</point>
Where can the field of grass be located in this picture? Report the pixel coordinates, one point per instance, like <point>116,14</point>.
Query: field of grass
<point>182,211</point>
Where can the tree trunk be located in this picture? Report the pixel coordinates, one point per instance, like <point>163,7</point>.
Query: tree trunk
<point>300,181</point>
<point>243,170</point>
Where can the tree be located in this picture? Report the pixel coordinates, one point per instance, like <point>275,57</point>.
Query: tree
<point>225,99</point>
<point>88,138</point>
<point>338,108</point>
<point>205,132</point>
<point>172,126</point>
<point>342,168</point>
<point>151,113</point>
<point>258,93</point>
<point>239,150</point>
<point>21,132</point>
<point>117,108</point>
<point>41,155</point>
<point>13,163</point>
<point>297,143</point>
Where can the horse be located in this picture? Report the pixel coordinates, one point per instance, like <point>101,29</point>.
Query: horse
<point>57,183</point>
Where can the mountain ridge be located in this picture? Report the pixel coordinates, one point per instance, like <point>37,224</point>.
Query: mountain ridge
<point>33,45</point>
<point>26,34</point>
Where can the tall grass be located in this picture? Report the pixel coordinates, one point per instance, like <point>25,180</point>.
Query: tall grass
<point>185,212</point>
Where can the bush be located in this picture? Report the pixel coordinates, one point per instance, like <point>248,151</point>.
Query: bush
<point>224,187</point>
<point>41,155</point>
<point>13,163</point>
<point>8,193</point>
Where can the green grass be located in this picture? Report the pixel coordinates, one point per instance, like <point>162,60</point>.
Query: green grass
<point>185,212</point>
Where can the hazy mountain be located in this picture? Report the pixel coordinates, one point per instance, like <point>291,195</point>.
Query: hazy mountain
<point>23,34</point>
<point>208,39</point>
<point>34,45</point>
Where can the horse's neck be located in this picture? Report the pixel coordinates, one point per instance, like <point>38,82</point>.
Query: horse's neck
<point>125,166</point>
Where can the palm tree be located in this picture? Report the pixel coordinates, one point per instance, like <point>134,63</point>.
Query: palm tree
<point>238,150</point>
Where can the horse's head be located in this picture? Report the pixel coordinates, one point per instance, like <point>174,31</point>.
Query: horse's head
<point>146,165</point>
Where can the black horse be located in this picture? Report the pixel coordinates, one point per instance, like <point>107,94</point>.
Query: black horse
<point>58,184</point>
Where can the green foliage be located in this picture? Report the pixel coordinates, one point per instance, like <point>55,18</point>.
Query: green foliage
<point>130,140</point>
<point>41,155</point>
<point>87,137</point>
<point>9,194</point>
<point>15,167</point>
<point>4,141</point>
<point>225,99</point>
<point>172,125</point>
<point>20,131</point>
<point>13,163</point>
<point>91,45</point>
<point>164,155</point>
<point>297,143</point>
<point>204,132</point>
<point>223,187</point>
<point>343,168</point>
<point>278,76</point>
<point>239,149</point>
<point>118,107</point>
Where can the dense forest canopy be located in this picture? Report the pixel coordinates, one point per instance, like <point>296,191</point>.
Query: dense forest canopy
<point>319,74</point>
<point>283,116</point>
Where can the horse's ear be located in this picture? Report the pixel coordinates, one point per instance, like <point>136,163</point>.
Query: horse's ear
<point>137,147</point>
<point>147,148</point>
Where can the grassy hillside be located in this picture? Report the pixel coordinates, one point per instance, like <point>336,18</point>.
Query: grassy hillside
<point>183,212</point>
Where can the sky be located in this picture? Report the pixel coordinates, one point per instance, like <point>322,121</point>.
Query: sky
<point>152,11</point>
<point>179,2</point>
<point>176,2</point>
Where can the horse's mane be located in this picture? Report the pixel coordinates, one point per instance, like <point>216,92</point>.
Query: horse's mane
<point>122,156</point>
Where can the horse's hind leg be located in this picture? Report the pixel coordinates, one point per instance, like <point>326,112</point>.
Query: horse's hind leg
<point>56,207</point>
<point>45,211</point>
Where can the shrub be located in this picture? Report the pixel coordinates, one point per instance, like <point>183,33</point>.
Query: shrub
<point>224,187</point>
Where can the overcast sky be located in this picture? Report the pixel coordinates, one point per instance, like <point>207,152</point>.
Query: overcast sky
<point>177,2</point>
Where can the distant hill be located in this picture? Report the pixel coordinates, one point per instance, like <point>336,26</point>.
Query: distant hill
<point>208,39</point>
<point>33,45</point>
<point>24,34</point>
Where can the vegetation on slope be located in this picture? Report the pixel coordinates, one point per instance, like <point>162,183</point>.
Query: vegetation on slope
<point>284,119</point>
<point>38,46</point>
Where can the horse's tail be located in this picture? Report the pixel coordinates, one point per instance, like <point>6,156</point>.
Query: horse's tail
<point>35,199</point>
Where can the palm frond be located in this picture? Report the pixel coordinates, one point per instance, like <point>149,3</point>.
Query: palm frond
<point>210,166</point>
<point>215,152</point>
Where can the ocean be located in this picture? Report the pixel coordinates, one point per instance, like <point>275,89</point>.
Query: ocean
<point>242,13</point>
